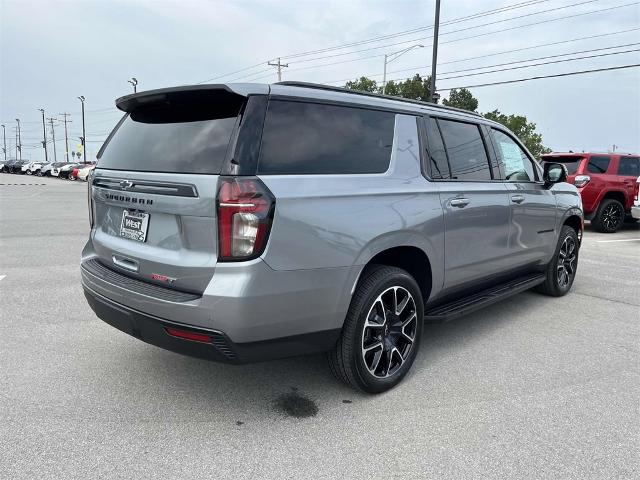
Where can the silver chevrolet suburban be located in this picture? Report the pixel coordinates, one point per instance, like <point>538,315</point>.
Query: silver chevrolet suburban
<point>243,222</point>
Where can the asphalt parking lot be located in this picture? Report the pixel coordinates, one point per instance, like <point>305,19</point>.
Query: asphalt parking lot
<point>532,387</point>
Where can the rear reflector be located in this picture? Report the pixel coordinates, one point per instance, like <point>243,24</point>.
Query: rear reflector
<point>187,335</point>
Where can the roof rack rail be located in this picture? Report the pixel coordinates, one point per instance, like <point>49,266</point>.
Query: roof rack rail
<point>319,86</point>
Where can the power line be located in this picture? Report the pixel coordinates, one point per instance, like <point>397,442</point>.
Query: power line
<point>547,58</point>
<point>543,63</point>
<point>526,66</point>
<point>472,27</point>
<point>419,29</point>
<point>567,74</point>
<point>497,53</point>
<point>385,37</point>
<point>462,38</point>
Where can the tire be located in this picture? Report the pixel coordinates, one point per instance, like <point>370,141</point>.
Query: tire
<point>609,217</point>
<point>391,343</point>
<point>29,172</point>
<point>561,270</point>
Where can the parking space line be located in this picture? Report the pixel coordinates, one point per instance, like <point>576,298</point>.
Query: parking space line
<point>622,240</point>
<point>2,276</point>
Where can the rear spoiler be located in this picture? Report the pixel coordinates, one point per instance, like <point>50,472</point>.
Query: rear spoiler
<point>188,93</point>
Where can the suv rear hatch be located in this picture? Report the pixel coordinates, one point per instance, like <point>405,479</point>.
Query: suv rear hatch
<point>572,162</point>
<point>153,192</point>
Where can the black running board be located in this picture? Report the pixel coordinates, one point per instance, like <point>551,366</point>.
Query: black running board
<point>471,303</point>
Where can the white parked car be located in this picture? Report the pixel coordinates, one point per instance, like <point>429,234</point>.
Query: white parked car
<point>64,170</point>
<point>84,171</point>
<point>33,168</point>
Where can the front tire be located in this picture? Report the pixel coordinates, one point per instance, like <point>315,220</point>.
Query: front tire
<point>381,333</point>
<point>561,271</point>
<point>610,216</point>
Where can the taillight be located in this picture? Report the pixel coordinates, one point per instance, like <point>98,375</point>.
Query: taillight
<point>245,211</point>
<point>581,180</point>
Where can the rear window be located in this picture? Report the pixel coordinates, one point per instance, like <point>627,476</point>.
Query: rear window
<point>308,138</point>
<point>598,164</point>
<point>173,139</point>
<point>629,166</point>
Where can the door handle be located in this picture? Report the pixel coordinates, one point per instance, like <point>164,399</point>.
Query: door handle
<point>459,202</point>
<point>517,198</point>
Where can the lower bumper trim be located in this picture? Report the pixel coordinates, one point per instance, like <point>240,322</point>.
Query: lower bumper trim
<point>152,330</point>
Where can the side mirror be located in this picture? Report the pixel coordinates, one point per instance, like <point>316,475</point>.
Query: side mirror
<point>554,173</point>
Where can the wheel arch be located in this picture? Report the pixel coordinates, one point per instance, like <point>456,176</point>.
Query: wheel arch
<point>613,195</point>
<point>410,258</point>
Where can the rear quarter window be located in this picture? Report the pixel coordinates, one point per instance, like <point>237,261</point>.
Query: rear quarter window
<point>598,164</point>
<point>629,166</point>
<point>310,138</point>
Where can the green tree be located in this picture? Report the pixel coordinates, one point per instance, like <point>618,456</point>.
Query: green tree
<point>461,98</point>
<point>524,130</point>
<point>392,88</point>
<point>363,84</point>
<point>414,88</point>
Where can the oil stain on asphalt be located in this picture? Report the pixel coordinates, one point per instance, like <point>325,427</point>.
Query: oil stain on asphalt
<point>295,405</point>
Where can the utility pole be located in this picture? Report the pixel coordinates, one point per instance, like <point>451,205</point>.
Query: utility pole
<point>280,66</point>
<point>613,149</point>
<point>134,82</point>
<point>66,137</point>
<point>4,141</point>
<point>53,136</point>
<point>18,140</point>
<point>44,137</point>
<point>434,59</point>
<point>83,139</point>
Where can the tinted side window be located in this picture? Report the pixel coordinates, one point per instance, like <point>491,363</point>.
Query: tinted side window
<point>629,166</point>
<point>465,149</point>
<point>437,157</point>
<point>515,164</point>
<point>598,164</point>
<point>307,138</point>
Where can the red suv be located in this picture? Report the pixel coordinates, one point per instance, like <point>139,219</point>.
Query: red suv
<point>606,183</point>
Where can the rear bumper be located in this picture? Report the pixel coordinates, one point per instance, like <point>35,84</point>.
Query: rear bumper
<point>261,313</point>
<point>220,348</point>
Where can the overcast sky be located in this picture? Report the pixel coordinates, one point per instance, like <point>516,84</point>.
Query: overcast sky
<point>52,52</point>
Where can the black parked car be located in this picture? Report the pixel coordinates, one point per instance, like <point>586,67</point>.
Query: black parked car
<point>15,166</point>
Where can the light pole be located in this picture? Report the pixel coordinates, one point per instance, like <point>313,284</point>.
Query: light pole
<point>134,82</point>
<point>18,140</point>
<point>44,137</point>
<point>434,58</point>
<point>390,57</point>
<point>4,141</point>
<point>84,137</point>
